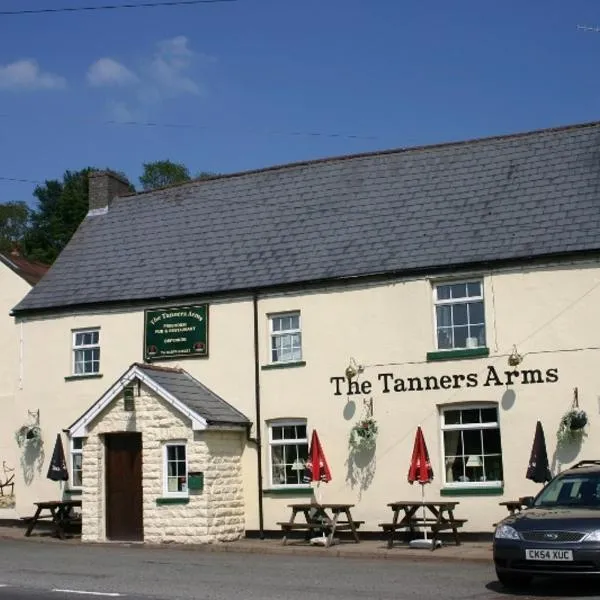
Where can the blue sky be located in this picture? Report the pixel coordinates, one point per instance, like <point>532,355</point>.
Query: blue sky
<point>239,79</point>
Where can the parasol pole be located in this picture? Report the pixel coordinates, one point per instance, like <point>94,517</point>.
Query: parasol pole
<point>424,515</point>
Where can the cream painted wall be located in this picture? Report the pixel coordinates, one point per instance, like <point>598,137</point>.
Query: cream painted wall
<point>549,313</point>
<point>12,289</point>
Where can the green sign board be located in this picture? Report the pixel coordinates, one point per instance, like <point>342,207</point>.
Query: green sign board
<point>176,332</point>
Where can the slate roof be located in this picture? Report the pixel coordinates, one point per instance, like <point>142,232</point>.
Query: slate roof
<point>29,270</point>
<point>194,395</point>
<point>410,210</point>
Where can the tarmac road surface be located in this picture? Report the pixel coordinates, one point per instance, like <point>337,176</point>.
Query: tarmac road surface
<point>40,571</point>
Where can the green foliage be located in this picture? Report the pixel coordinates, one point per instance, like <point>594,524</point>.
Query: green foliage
<point>162,173</point>
<point>62,205</point>
<point>14,220</point>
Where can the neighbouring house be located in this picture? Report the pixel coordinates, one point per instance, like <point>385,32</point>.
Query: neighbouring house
<point>17,276</point>
<point>188,340</point>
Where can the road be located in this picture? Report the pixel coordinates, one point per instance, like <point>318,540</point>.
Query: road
<point>48,571</point>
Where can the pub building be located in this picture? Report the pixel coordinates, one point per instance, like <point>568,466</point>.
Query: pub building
<point>188,340</point>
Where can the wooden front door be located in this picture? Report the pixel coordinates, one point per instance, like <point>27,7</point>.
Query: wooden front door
<point>124,519</point>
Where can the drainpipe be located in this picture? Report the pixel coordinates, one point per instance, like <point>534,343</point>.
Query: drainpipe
<point>257,440</point>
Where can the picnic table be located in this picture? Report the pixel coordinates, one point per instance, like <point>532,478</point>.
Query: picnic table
<point>59,511</point>
<point>323,518</point>
<point>439,516</point>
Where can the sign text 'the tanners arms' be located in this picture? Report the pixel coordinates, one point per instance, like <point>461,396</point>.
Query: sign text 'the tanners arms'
<point>388,382</point>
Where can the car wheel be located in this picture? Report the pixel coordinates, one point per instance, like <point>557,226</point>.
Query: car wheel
<point>513,580</point>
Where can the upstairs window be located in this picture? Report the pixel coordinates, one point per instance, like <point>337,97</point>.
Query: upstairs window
<point>459,315</point>
<point>86,352</point>
<point>286,337</point>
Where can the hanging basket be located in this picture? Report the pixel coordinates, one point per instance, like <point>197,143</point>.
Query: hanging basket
<point>363,435</point>
<point>572,425</point>
<point>28,435</point>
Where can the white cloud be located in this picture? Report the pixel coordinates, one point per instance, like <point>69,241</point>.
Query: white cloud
<point>107,72</point>
<point>25,74</point>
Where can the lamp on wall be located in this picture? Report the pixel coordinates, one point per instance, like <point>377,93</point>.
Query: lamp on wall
<point>514,359</point>
<point>353,369</point>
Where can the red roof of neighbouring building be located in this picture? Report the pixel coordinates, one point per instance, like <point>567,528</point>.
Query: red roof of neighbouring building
<point>31,271</point>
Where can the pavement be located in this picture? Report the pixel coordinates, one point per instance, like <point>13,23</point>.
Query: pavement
<point>469,551</point>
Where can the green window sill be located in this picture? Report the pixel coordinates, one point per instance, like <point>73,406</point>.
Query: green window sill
<point>303,491</point>
<point>74,492</point>
<point>458,354</point>
<point>90,376</point>
<point>183,500</point>
<point>473,491</point>
<point>284,365</point>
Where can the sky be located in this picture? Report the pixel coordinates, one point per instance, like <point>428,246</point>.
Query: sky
<point>247,84</point>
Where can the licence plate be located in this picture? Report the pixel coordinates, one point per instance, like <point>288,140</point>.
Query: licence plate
<point>531,554</point>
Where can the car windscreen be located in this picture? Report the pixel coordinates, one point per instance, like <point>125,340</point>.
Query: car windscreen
<point>581,490</point>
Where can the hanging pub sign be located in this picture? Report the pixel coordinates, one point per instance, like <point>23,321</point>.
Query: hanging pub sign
<point>176,332</point>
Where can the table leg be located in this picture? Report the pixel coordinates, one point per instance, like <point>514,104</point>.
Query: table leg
<point>454,528</point>
<point>336,514</point>
<point>285,531</point>
<point>352,526</point>
<point>33,522</point>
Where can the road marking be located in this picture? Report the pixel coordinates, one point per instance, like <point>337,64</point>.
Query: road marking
<point>109,594</point>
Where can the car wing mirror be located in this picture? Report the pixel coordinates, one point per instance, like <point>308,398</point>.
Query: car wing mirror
<point>527,501</point>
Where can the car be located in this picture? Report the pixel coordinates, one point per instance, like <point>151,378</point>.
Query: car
<point>558,532</point>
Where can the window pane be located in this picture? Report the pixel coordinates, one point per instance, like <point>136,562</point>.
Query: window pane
<point>295,322</point>
<point>460,337</point>
<point>478,332</point>
<point>493,468</point>
<point>289,432</point>
<point>444,315</point>
<point>476,312</point>
<point>458,290</point>
<point>301,431</point>
<point>455,470</point>
<point>276,321</point>
<point>472,441</point>
<point>77,443</point>
<point>491,441</point>
<point>474,288</point>
<point>445,338</point>
<point>470,415</point>
<point>443,292</point>
<point>453,443</point>
<point>459,314</point>
<point>277,432</point>
<point>452,417</point>
<point>489,415</point>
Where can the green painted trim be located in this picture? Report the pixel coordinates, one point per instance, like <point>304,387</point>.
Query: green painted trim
<point>458,354</point>
<point>91,376</point>
<point>303,491</point>
<point>172,501</point>
<point>74,492</point>
<point>298,363</point>
<point>472,491</point>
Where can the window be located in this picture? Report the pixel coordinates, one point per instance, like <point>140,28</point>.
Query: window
<point>459,315</point>
<point>288,446</point>
<point>175,472</point>
<point>286,338</point>
<point>76,463</point>
<point>472,450</point>
<point>86,352</point>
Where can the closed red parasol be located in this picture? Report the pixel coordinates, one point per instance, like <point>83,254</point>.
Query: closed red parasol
<point>420,471</point>
<point>420,468</point>
<point>317,468</point>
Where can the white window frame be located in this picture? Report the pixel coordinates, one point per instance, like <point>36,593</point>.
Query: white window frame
<point>466,426</point>
<point>273,443</point>
<point>75,452</point>
<point>275,334</point>
<point>451,301</point>
<point>166,446</point>
<point>75,348</point>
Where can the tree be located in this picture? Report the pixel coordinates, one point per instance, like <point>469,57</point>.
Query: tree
<point>62,205</point>
<point>161,173</point>
<point>14,220</point>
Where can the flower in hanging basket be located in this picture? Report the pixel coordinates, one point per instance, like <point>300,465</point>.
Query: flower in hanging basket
<point>28,434</point>
<point>364,434</point>
<point>572,425</point>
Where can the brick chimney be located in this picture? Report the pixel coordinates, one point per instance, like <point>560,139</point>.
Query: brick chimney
<point>104,187</point>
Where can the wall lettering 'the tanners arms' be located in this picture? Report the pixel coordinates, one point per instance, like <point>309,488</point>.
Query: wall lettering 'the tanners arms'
<point>388,382</point>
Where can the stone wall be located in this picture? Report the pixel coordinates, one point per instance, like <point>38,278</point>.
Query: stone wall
<point>212,515</point>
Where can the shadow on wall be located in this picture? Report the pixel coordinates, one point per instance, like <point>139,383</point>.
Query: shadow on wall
<point>360,469</point>
<point>32,461</point>
<point>565,453</point>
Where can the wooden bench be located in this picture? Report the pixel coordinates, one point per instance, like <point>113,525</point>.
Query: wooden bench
<point>431,524</point>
